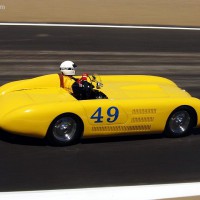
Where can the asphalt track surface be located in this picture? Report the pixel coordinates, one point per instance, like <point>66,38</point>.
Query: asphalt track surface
<point>30,164</point>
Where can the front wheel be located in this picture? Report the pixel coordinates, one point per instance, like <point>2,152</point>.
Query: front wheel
<point>179,123</point>
<point>65,130</point>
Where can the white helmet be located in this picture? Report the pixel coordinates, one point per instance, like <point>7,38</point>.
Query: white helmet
<point>68,68</point>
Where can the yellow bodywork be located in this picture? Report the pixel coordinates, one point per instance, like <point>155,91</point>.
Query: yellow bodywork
<point>135,104</point>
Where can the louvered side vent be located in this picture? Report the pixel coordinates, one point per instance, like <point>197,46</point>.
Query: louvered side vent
<point>144,111</point>
<point>121,128</point>
<point>142,119</point>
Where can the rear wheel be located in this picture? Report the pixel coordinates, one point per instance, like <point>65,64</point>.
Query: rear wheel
<point>179,123</point>
<point>65,130</point>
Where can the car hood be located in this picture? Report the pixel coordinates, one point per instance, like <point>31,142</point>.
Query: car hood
<point>48,95</point>
<point>25,97</point>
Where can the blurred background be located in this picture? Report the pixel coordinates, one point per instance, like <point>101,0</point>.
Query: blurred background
<point>151,12</point>
<point>32,51</point>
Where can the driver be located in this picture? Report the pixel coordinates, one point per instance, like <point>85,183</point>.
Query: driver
<point>79,88</point>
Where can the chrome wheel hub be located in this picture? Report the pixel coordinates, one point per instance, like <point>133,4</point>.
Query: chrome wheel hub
<point>179,122</point>
<point>64,129</point>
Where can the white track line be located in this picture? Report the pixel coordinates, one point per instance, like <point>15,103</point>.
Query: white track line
<point>112,193</point>
<point>102,26</point>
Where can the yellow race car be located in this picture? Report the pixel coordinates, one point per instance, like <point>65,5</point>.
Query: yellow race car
<point>126,104</point>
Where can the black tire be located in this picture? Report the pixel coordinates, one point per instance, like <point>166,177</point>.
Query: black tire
<point>179,123</point>
<point>65,130</point>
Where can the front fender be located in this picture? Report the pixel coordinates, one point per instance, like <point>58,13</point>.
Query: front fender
<point>34,120</point>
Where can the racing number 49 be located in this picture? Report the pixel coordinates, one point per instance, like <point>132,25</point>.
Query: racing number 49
<point>112,115</point>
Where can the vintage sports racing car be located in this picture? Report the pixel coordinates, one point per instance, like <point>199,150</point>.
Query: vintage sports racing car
<point>126,104</point>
